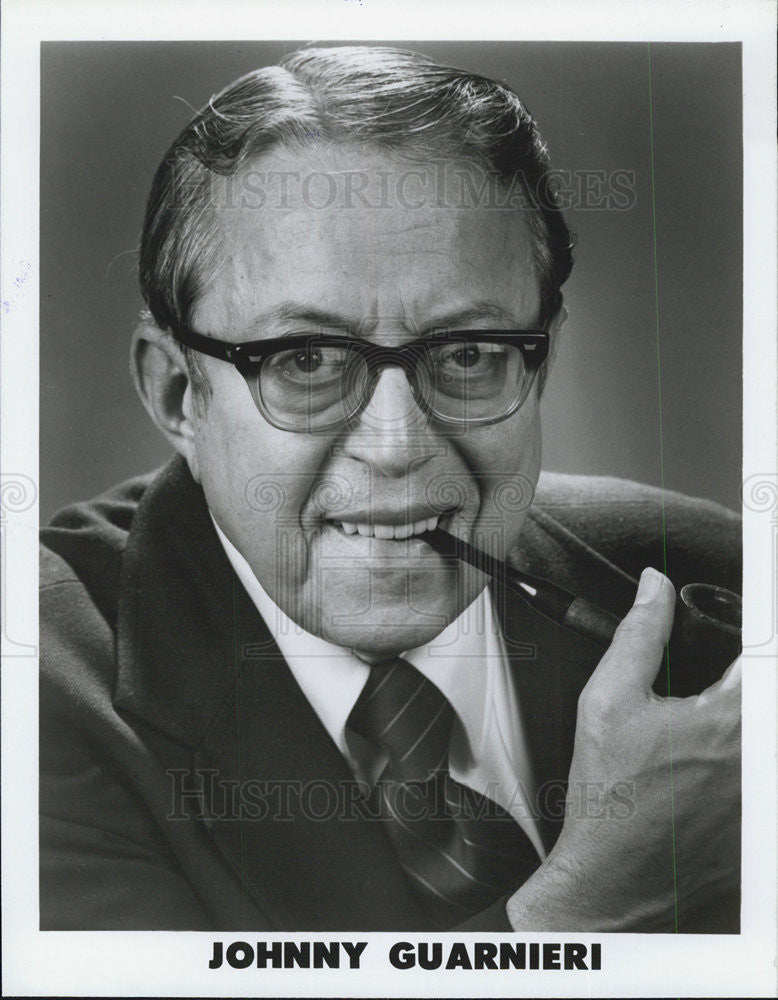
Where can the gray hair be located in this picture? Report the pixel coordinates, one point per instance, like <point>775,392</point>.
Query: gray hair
<point>387,98</point>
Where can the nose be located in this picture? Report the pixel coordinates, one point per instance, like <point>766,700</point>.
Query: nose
<point>393,435</point>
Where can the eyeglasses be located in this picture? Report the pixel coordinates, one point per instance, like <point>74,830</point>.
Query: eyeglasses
<point>314,383</point>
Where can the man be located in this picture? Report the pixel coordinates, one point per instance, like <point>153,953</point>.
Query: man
<point>267,702</point>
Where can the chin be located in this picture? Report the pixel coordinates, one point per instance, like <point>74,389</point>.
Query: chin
<point>381,642</point>
<point>382,613</point>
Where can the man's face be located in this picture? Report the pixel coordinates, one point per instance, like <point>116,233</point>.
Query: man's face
<point>390,274</point>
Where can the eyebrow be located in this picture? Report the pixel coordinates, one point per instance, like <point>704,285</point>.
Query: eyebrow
<point>477,311</point>
<point>286,312</point>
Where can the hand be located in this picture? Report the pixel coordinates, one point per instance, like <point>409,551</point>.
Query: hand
<point>652,825</point>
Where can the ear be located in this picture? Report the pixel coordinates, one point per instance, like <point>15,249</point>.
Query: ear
<point>159,371</point>
<point>555,332</point>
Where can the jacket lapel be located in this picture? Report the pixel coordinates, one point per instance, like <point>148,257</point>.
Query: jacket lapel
<point>299,836</point>
<point>198,664</point>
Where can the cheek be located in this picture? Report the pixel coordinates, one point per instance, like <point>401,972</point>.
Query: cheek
<point>507,450</point>
<point>257,480</point>
<point>505,460</point>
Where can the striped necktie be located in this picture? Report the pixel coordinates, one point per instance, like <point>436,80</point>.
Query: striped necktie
<point>460,849</point>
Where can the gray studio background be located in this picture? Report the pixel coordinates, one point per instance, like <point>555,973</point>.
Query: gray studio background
<point>110,110</point>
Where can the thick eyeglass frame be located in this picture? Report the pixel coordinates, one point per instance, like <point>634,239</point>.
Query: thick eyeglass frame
<point>249,356</point>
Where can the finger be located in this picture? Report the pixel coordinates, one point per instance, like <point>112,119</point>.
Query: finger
<point>635,655</point>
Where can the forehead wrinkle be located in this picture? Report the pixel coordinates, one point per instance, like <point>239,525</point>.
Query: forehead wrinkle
<point>380,251</point>
<point>290,311</point>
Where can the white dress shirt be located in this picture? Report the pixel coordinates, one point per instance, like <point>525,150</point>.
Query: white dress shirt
<point>469,665</point>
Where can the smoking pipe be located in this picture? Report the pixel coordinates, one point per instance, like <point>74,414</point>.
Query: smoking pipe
<point>706,630</point>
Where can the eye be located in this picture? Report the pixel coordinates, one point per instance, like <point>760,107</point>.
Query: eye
<point>307,361</point>
<point>308,367</point>
<point>459,360</point>
<point>466,357</point>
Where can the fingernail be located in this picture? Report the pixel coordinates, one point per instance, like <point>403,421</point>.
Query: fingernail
<point>650,585</point>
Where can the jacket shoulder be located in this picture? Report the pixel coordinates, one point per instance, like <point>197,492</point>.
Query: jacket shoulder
<point>633,525</point>
<point>85,542</point>
<point>592,499</point>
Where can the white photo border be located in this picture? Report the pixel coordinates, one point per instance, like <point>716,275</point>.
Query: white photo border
<point>175,964</point>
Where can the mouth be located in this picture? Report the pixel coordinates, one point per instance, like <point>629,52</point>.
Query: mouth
<point>391,532</point>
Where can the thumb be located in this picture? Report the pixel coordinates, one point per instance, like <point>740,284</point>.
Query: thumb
<point>635,655</point>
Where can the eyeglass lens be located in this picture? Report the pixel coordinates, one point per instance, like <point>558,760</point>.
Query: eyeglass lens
<point>320,385</point>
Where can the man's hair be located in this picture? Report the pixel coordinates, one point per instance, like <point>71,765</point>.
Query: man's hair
<point>385,98</point>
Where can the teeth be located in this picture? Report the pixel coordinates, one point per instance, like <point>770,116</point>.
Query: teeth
<point>397,531</point>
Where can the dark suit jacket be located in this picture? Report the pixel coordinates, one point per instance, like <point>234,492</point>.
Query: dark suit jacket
<point>162,689</point>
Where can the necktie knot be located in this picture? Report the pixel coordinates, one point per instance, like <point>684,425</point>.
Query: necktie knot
<point>406,716</point>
